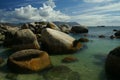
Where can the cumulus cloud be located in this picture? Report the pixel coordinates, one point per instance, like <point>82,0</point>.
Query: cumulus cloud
<point>96,1</point>
<point>30,13</point>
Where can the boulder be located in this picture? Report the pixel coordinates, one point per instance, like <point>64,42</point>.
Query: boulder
<point>30,60</point>
<point>117,34</point>
<point>112,64</point>
<point>25,39</point>
<point>56,42</point>
<point>9,36</point>
<point>83,40</point>
<point>79,29</point>
<point>21,39</point>
<point>65,28</point>
<point>52,26</point>
<point>101,36</point>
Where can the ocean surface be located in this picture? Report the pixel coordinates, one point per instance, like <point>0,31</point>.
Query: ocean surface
<point>91,58</point>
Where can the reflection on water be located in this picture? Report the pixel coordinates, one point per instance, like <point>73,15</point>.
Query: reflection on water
<point>90,64</point>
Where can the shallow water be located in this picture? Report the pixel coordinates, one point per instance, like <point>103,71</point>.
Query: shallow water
<point>91,58</point>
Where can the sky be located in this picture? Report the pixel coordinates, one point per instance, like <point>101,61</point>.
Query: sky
<point>85,12</point>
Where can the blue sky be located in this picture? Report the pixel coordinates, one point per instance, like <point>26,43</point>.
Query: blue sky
<point>85,12</point>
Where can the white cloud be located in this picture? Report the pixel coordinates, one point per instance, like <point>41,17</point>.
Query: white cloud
<point>29,13</point>
<point>96,1</point>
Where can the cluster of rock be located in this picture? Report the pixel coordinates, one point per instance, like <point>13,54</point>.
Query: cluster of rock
<point>33,42</point>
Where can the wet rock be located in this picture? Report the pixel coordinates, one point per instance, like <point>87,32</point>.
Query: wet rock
<point>69,59</point>
<point>30,60</point>
<point>58,42</point>
<point>61,73</point>
<point>115,30</point>
<point>101,36</point>
<point>112,37</point>
<point>83,40</point>
<point>79,29</point>
<point>112,64</point>
<point>117,34</point>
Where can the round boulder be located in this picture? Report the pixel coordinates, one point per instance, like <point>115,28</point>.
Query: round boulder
<point>117,34</point>
<point>58,42</point>
<point>30,60</point>
<point>79,29</point>
<point>25,39</point>
<point>112,65</point>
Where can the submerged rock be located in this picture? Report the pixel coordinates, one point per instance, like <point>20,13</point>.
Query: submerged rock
<point>58,42</point>
<point>112,65</point>
<point>101,36</point>
<point>79,29</point>
<point>69,59</point>
<point>30,60</point>
<point>61,73</point>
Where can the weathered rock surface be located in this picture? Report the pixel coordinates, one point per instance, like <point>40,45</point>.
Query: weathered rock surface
<point>22,39</point>
<point>58,42</point>
<point>79,29</point>
<point>112,65</point>
<point>30,60</point>
<point>35,27</point>
<point>52,26</point>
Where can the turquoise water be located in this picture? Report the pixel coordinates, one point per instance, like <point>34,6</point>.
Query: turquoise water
<point>91,58</point>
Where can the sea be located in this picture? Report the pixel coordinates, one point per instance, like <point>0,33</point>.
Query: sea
<point>91,57</point>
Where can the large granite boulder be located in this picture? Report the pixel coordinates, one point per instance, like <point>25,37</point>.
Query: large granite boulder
<point>65,28</point>
<point>79,29</point>
<point>58,42</point>
<point>112,65</point>
<point>52,26</point>
<point>9,35</point>
<point>21,39</point>
<point>117,34</point>
<point>30,60</point>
